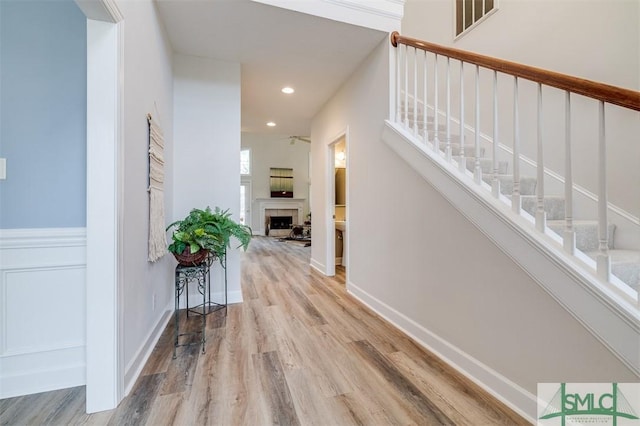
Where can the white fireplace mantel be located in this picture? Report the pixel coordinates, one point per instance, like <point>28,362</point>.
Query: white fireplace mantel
<point>278,203</point>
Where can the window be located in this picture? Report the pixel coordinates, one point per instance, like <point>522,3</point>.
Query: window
<point>245,162</point>
<point>468,12</point>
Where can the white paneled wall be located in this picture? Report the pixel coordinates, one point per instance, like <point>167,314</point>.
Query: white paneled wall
<point>42,310</point>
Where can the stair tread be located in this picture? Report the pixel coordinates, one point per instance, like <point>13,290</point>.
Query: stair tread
<point>586,231</point>
<point>625,264</point>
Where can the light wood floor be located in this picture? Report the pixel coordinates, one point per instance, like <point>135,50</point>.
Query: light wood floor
<point>299,350</point>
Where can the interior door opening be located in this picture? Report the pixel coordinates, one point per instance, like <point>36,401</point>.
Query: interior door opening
<point>337,184</point>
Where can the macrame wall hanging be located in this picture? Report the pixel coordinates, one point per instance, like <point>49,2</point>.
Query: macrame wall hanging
<point>157,233</point>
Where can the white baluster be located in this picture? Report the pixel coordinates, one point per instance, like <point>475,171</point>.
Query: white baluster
<point>495,182</point>
<point>398,59</point>
<point>477,171</point>
<point>425,127</point>
<point>436,138</point>
<point>602,259</point>
<point>569,238</point>
<point>541,215</point>
<point>415,91</point>
<point>462,165</point>
<point>515,196</point>
<point>448,137</point>
<point>406,87</point>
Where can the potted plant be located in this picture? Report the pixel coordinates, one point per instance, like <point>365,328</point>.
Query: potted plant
<point>203,232</point>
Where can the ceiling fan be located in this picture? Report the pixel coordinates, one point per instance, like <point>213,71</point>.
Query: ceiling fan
<point>293,139</point>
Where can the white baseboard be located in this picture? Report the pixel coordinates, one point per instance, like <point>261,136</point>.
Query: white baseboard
<point>318,266</point>
<point>509,393</point>
<point>43,371</point>
<point>135,367</point>
<point>234,297</point>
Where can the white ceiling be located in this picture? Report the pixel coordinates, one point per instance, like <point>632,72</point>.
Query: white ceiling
<point>276,48</point>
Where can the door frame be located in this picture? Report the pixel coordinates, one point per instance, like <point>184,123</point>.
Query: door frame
<point>246,181</point>
<point>330,202</point>
<point>104,275</point>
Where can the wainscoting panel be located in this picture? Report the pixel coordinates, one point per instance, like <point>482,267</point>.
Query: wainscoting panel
<point>42,310</point>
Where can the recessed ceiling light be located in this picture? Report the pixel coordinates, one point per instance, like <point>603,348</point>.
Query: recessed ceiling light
<point>271,124</point>
<point>288,90</point>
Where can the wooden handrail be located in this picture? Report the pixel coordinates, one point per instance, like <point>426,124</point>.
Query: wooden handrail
<point>603,92</point>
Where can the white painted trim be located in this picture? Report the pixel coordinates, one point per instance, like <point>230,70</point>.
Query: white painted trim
<point>43,380</point>
<point>609,316</point>
<point>43,348</point>
<point>317,266</point>
<point>58,363</point>
<point>42,238</point>
<point>503,389</point>
<point>550,173</point>
<point>135,367</point>
<point>382,15</point>
<point>329,202</point>
<point>393,9</point>
<point>234,297</point>
<point>466,31</point>
<point>104,277</point>
<point>279,204</point>
<point>330,194</point>
<point>101,10</point>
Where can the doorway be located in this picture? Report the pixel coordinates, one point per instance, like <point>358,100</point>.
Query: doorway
<point>337,205</point>
<point>245,202</point>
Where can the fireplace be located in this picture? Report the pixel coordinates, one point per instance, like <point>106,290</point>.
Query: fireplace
<point>273,207</point>
<point>280,222</point>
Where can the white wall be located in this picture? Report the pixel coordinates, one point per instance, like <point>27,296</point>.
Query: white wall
<point>148,88</point>
<point>603,45</point>
<point>276,151</point>
<point>413,253</point>
<point>207,144</point>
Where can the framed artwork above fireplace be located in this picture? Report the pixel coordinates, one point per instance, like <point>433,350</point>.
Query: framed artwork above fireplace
<point>281,182</point>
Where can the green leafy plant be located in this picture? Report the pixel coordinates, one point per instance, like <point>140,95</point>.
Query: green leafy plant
<point>208,230</point>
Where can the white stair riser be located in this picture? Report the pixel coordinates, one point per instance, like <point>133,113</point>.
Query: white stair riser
<point>586,234</point>
<point>554,206</point>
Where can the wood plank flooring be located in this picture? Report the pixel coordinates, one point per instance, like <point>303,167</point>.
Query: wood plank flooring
<point>298,351</point>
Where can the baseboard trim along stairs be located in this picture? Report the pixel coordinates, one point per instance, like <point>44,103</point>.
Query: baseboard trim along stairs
<point>609,316</point>
<point>503,389</point>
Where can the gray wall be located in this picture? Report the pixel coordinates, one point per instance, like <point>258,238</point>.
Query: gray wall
<point>434,267</point>
<point>602,45</point>
<point>42,114</point>
<point>148,88</point>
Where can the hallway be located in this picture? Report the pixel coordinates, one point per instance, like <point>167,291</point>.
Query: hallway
<point>299,350</point>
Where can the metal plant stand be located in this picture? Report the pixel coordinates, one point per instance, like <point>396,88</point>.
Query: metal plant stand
<point>200,275</point>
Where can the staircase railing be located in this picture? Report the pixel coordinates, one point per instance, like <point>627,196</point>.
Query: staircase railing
<point>422,102</point>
